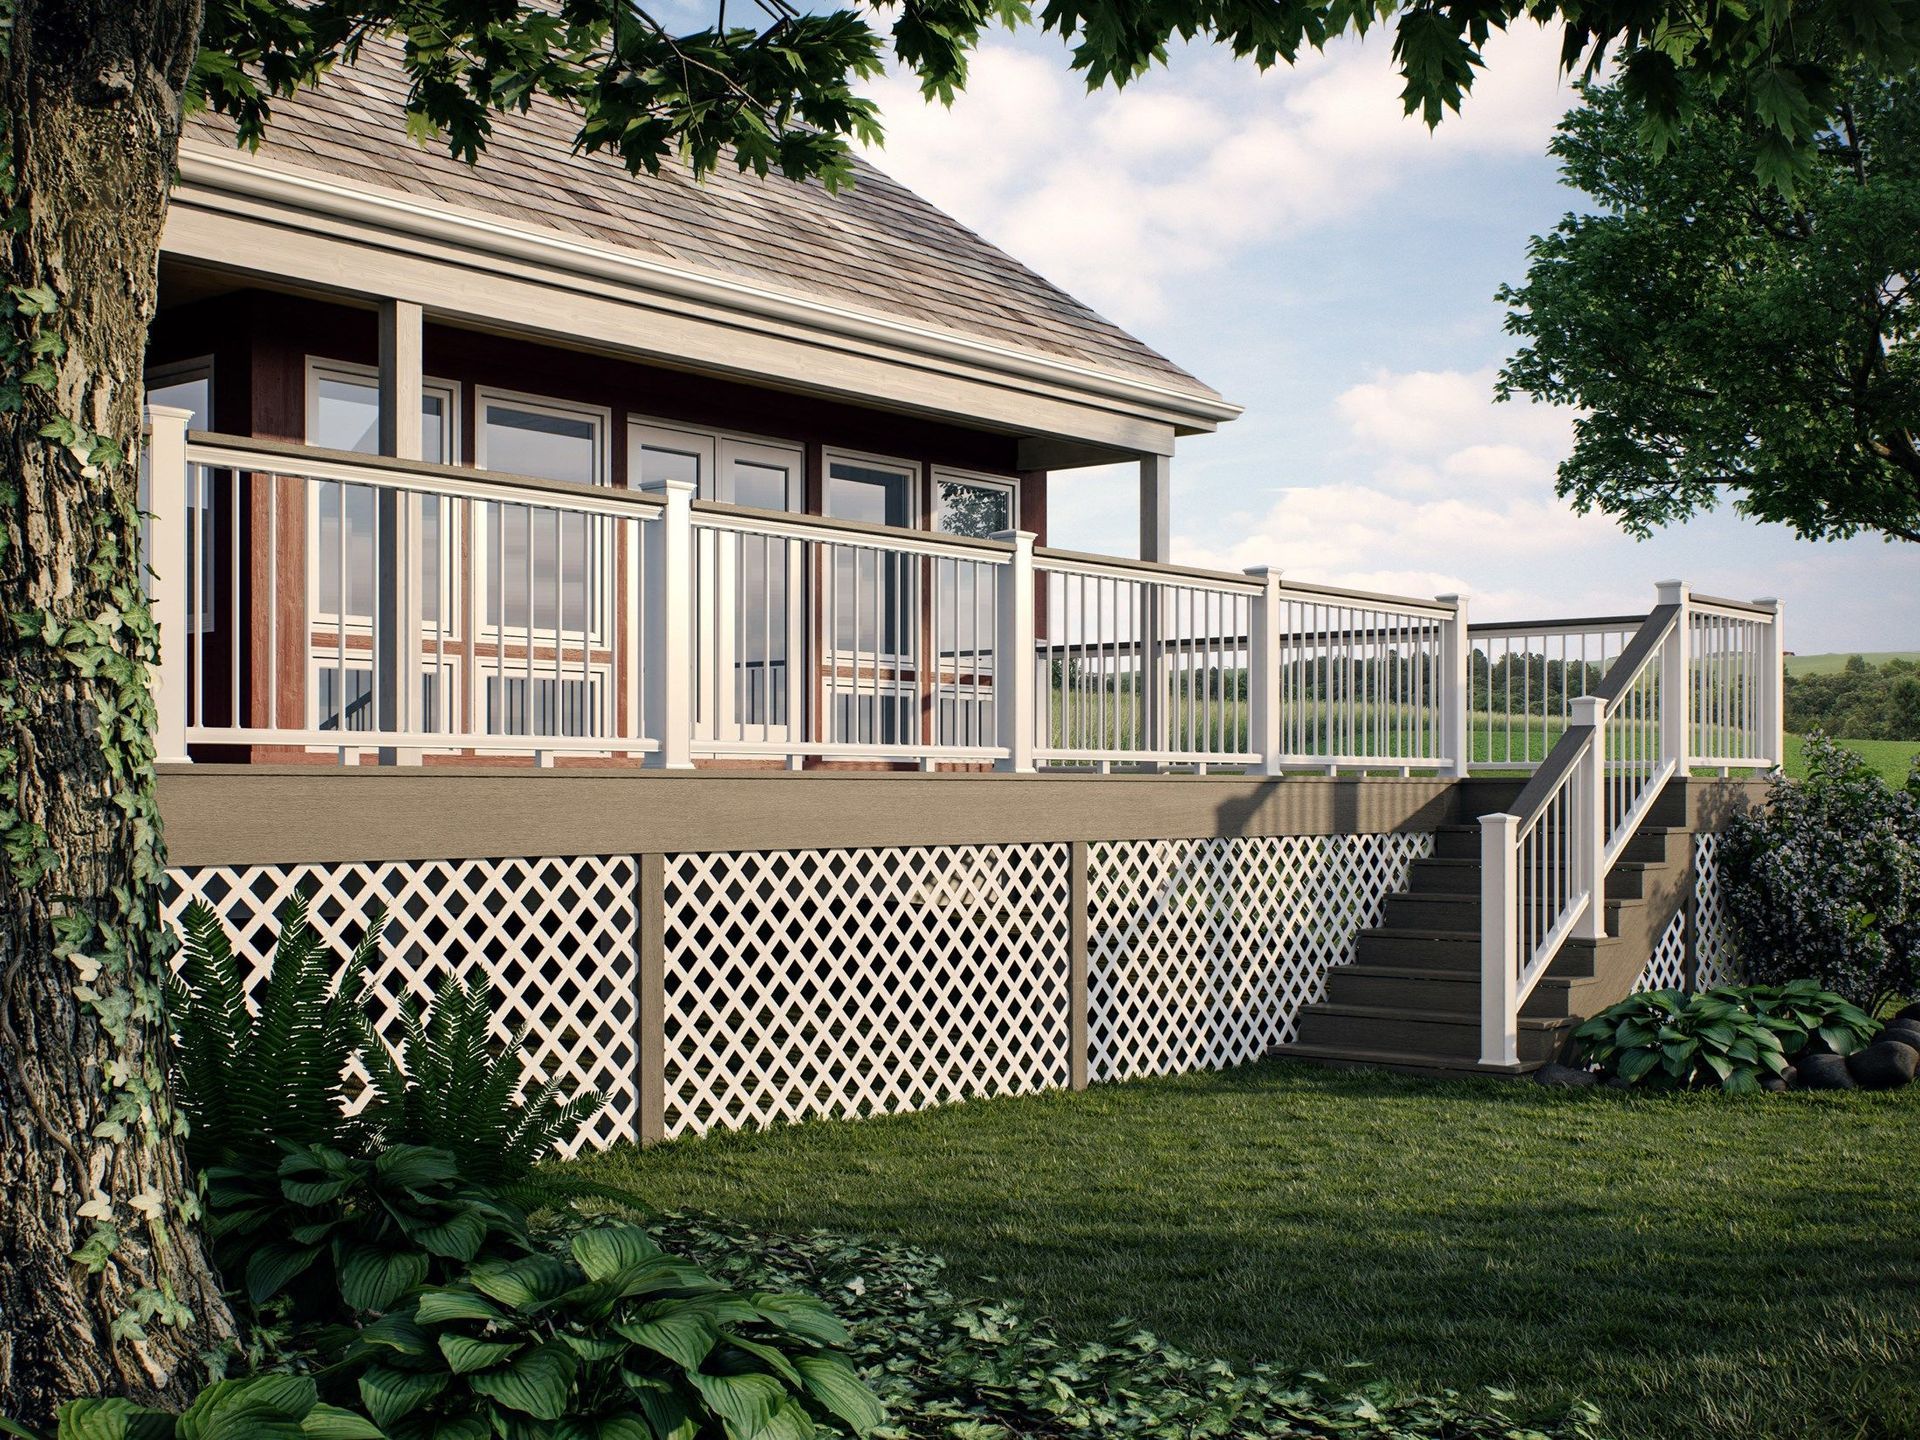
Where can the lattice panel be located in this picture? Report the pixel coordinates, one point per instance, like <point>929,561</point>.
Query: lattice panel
<point>1202,952</point>
<point>1712,944</point>
<point>857,982</point>
<point>1667,966</point>
<point>556,938</point>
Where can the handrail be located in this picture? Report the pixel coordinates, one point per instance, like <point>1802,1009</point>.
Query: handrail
<point>1574,623</point>
<point>1633,660</point>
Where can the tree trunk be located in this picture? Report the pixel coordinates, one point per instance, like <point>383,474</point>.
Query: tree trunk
<point>105,1285</point>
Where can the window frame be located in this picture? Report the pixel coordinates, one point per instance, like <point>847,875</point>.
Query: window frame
<point>174,372</point>
<point>915,472</point>
<point>717,449</point>
<point>980,480</point>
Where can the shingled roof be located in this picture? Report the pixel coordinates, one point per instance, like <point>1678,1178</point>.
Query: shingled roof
<point>876,247</point>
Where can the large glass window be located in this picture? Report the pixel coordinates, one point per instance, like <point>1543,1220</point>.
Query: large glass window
<point>189,386</point>
<point>966,506</point>
<point>871,602</point>
<point>343,413</point>
<point>545,569</point>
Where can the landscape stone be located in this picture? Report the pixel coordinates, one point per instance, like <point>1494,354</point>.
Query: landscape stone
<point>1823,1072</point>
<point>1884,1065</point>
<point>1565,1077</point>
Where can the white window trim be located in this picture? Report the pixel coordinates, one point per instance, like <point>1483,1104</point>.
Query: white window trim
<point>598,634</point>
<point>317,368</point>
<point>452,695</point>
<point>912,469</point>
<point>717,450</point>
<point>1009,483</point>
<point>448,391</point>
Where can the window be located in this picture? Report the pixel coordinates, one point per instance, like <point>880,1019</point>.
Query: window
<point>434,703</point>
<point>187,385</point>
<point>871,601</point>
<point>343,413</point>
<point>543,569</point>
<point>973,504</point>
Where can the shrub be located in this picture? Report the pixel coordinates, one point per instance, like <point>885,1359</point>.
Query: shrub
<point>1733,1036</point>
<point>1823,884</point>
<point>400,1290</point>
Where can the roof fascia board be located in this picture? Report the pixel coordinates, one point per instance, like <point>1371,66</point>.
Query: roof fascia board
<point>205,169</point>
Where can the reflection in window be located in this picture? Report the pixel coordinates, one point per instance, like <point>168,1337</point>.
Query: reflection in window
<point>548,567</point>
<point>558,706</point>
<point>357,693</point>
<point>346,416</point>
<point>872,601</point>
<point>970,508</point>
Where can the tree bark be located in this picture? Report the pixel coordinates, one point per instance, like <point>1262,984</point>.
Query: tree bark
<point>105,1284</point>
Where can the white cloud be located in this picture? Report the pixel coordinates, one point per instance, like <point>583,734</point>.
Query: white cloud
<point>1124,197</point>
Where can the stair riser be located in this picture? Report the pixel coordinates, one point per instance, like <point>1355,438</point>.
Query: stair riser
<point>1456,845</point>
<point>1657,847</point>
<point>1627,884</point>
<point>1428,879</point>
<point>1374,948</point>
<point>1352,986</point>
<point>1415,1035</point>
<point>1429,913</point>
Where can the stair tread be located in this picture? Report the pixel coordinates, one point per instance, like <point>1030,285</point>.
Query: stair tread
<point>1421,932</point>
<point>1399,1059</point>
<point>1402,1012</point>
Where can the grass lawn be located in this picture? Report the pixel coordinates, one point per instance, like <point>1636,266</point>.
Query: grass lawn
<point>1834,664</point>
<point>1696,1265</point>
<point>1890,757</point>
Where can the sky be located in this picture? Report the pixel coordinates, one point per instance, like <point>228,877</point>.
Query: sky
<point>1296,243</point>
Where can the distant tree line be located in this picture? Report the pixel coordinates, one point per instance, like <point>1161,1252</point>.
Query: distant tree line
<point>1860,702</point>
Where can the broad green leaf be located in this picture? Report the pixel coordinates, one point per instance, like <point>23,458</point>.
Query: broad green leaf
<point>803,1315</point>
<point>458,1237</point>
<point>391,1394</point>
<point>465,1354</point>
<point>330,1422</point>
<point>608,1250</point>
<point>684,1335</point>
<point>537,1383</point>
<point>372,1278</point>
<point>111,1418</point>
<point>522,1283</point>
<point>414,1166</point>
<point>831,1381</point>
<point>274,1265</point>
<point>748,1403</point>
<point>436,1307</point>
<point>260,1407</point>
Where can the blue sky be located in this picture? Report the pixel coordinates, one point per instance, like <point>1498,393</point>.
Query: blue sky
<point>1293,241</point>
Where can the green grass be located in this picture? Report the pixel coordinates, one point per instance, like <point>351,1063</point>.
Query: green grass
<point>1697,1265</point>
<point>1890,757</point>
<point>1833,664</point>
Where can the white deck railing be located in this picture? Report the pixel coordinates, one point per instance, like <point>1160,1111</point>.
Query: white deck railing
<point>316,601</point>
<point>1544,865</point>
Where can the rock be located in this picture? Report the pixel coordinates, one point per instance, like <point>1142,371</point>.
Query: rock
<point>1815,1046</point>
<point>1907,1032</point>
<point>1774,1084</point>
<point>1618,1082</point>
<point>1564,1077</point>
<point>1884,1065</point>
<point>1912,1012</point>
<point>1823,1072</point>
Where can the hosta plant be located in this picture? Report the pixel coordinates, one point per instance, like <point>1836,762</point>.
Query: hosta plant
<point>1664,1038</point>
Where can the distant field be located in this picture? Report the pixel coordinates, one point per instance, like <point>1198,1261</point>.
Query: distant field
<point>1889,757</point>
<point>1833,664</point>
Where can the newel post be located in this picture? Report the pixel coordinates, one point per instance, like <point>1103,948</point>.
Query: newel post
<point>1263,671</point>
<point>171,578</point>
<point>1456,689</point>
<point>1014,681</point>
<point>1676,681</point>
<point>1499,940</point>
<point>1773,686</point>
<point>1589,840</point>
<point>667,652</point>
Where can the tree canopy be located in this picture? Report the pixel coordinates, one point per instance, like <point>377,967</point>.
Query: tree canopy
<point>783,93</point>
<point>1727,340</point>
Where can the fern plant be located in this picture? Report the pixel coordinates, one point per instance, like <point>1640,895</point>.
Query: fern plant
<point>453,1090</point>
<point>249,1083</point>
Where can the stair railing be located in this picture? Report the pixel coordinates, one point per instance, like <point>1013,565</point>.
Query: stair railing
<point>1544,866</point>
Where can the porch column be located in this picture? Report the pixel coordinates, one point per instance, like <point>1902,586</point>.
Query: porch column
<point>1156,508</point>
<point>397,633</point>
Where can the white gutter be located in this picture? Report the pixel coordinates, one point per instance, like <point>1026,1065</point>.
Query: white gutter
<point>212,169</point>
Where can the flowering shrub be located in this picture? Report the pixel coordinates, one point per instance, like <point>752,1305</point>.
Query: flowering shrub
<point>1823,884</point>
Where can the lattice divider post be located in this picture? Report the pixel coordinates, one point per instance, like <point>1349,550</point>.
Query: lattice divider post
<point>1203,951</point>
<point>855,982</point>
<point>556,938</point>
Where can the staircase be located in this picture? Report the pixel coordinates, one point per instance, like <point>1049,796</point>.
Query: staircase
<point>1410,1000</point>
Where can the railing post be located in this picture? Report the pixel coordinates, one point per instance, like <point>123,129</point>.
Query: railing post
<point>1773,687</point>
<point>1014,681</point>
<point>1456,694</point>
<point>1676,682</point>
<point>1499,940</point>
<point>1078,925</point>
<point>667,655</point>
<point>1263,671</point>
<point>171,580</point>
<point>1589,840</point>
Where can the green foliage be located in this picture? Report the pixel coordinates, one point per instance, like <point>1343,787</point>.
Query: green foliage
<point>1731,1036</point>
<point>784,96</point>
<point>1723,340</point>
<point>957,1369</point>
<point>1823,883</point>
<point>1860,701</point>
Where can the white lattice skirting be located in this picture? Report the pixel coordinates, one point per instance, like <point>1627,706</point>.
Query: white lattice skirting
<point>796,984</point>
<point>1694,951</point>
<point>555,938</point>
<point>1202,952</point>
<point>858,982</point>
